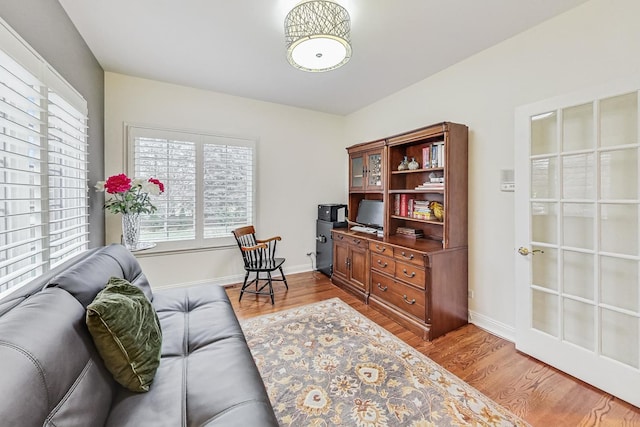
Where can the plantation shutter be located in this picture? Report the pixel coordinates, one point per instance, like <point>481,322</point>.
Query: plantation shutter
<point>228,188</point>
<point>209,186</point>
<point>22,174</point>
<point>68,175</point>
<point>43,165</point>
<point>172,160</point>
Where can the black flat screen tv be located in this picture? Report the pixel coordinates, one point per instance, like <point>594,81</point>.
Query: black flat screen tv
<point>370,213</point>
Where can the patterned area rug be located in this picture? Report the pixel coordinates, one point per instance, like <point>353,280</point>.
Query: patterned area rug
<point>325,364</point>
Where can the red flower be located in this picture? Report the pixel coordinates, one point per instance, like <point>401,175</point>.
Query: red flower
<point>158,183</point>
<point>117,184</point>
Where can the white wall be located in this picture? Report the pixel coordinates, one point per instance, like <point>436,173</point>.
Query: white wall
<point>301,160</point>
<point>592,44</point>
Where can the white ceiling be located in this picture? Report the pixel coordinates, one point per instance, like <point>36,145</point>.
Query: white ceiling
<point>237,46</point>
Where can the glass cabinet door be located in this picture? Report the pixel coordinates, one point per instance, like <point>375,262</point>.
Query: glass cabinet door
<point>357,172</point>
<point>374,170</point>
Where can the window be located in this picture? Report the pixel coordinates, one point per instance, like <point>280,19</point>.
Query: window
<point>209,185</point>
<point>43,165</point>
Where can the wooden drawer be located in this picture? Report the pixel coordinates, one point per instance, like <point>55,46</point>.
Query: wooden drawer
<point>383,264</point>
<point>357,241</point>
<point>407,255</point>
<point>410,273</point>
<point>406,298</point>
<point>381,248</point>
<point>352,240</point>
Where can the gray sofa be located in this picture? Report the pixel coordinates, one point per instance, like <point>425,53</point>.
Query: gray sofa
<point>52,375</point>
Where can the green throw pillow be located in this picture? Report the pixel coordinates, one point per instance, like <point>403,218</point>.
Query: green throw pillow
<point>126,330</point>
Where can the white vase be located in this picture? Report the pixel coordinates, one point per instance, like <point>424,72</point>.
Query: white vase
<point>130,230</point>
<point>413,164</point>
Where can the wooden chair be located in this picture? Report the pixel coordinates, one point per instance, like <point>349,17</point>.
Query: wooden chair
<point>259,257</point>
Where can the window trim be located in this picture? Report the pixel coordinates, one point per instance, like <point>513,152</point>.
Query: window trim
<point>132,129</point>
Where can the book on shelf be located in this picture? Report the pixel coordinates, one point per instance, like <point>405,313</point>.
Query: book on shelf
<point>412,208</point>
<point>426,157</point>
<point>396,204</point>
<point>436,155</point>
<point>421,210</point>
<point>431,186</point>
<point>404,204</point>
<point>409,232</point>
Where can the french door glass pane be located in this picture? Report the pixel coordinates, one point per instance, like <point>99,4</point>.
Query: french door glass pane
<point>619,228</point>
<point>577,128</point>
<point>578,323</point>
<point>545,268</point>
<point>619,120</point>
<point>619,283</point>
<point>544,222</point>
<point>578,176</point>
<point>619,174</point>
<point>578,220</point>
<point>578,274</point>
<point>544,178</point>
<point>620,337</point>
<point>544,133</point>
<point>545,312</point>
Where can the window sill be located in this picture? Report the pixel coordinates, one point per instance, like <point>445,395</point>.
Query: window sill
<point>162,252</point>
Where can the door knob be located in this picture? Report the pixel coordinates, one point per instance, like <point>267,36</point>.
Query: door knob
<point>524,251</point>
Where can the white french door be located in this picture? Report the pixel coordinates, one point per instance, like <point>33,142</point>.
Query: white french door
<point>577,235</point>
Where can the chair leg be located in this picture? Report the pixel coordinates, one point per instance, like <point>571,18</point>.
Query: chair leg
<point>270,287</point>
<point>284,278</point>
<point>244,285</point>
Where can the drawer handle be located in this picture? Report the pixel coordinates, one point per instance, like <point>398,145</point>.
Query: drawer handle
<point>407,257</point>
<point>381,248</point>
<point>340,237</point>
<point>413,300</point>
<point>410,276</point>
<point>380,263</point>
<point>382,288</point>
<point>356,241</point>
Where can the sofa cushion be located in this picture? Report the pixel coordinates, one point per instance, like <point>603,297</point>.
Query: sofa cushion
<point>207,376</point>
<point>126,331</point>
<point>50,372</point>
<point>87,278</point>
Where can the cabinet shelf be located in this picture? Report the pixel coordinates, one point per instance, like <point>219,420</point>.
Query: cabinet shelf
<point>417,171</point>
<point>423,221</point>
<point>406,191</point>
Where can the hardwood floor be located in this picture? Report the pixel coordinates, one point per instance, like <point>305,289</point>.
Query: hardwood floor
<point>538,393</point>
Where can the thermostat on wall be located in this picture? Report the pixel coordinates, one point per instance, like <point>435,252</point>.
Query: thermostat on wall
<point>507,180</point>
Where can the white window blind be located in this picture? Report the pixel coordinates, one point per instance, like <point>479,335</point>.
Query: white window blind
<point>43,167</point>
<point>21,181</point>
<point>209,185</point>
<point>68,197</point>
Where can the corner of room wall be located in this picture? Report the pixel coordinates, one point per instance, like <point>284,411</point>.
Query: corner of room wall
<point>298,151</point>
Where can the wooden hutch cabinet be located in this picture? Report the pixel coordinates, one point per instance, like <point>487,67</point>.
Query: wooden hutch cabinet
<point>416,271</point>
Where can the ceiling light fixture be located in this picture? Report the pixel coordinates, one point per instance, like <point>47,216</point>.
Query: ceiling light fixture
<point>317,36</point>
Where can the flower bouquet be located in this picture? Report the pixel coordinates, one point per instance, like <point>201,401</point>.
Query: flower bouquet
<point>130,198</point>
